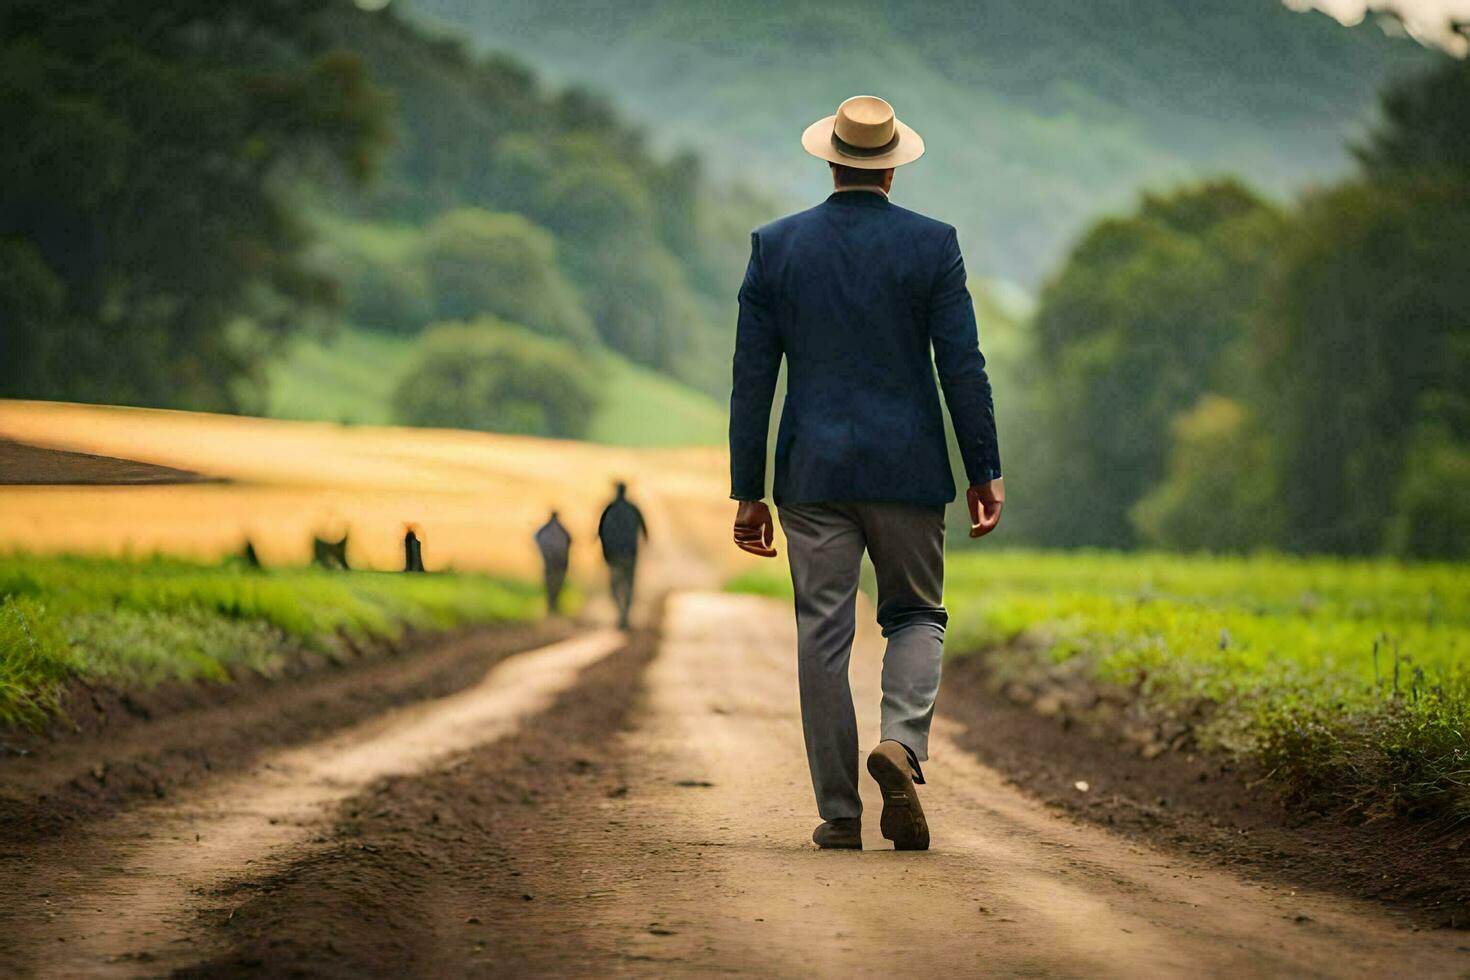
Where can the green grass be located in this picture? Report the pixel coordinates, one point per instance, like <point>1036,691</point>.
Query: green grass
<point>136,624</point>
<point>645,408</point>
<point>350,378</point>
<point>1348,679</point>
<point>772,582</point>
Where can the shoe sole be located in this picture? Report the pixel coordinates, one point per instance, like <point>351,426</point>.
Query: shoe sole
<point>841,847</point>
<point>903,817</point>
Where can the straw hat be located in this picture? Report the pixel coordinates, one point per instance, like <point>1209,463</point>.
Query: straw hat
<point>863,133</point>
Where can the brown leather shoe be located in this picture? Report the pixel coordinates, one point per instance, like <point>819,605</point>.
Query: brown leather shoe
<point>844,833</point>
<point>903,818</point>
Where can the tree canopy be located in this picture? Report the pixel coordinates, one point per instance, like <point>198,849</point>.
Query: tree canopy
<point>491,376</point>
<point>1148,312</point>
<point>1215,372</point>
<point>152,254</point>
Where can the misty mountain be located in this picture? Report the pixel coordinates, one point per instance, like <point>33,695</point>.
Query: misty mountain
<point>1038,116</point>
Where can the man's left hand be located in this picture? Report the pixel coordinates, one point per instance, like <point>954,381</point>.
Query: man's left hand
<point>754,529</point>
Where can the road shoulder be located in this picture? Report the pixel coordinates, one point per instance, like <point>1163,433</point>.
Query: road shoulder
<point>117,748</point>
<point>1207,809</point>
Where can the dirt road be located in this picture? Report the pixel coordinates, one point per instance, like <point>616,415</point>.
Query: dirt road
<point>593,808</point>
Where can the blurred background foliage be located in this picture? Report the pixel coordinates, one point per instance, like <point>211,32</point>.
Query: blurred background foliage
<point>1221,250</point>
<point>493,377</point>
<point>1221,373</point>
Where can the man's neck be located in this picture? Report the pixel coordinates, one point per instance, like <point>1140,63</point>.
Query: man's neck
<point>861,188</point>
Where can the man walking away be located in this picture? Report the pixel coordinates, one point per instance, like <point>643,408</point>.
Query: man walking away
<point>864,300</point>
<point>619,530</point>
<point>556,548</point>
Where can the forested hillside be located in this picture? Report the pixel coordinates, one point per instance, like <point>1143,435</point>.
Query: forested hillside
<point>259,173</point>
<point>1212,371</point>
<point>538,206</point>
<point>1038,115</point>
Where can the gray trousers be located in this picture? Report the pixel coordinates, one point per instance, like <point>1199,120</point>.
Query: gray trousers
<point>825,543</point>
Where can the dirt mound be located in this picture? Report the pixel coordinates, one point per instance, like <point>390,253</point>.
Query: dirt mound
<point>120,747</point>
<point>25,464</point>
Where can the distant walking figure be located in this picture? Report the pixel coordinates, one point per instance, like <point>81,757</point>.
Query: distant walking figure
<point>413,551</point>
<point>556,548</point>
<point>619,530</point>
<point>864,300</point>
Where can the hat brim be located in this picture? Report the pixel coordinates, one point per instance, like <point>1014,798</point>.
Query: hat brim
<point>817,140</point>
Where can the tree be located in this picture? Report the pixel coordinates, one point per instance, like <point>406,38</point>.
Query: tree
<point>382,278</point>
<point>1362,344</point>
<point>1361,340</point>
<point>145,191</point>
<point>1430,517</point>
<point>501,265</point>
<point>1149,313</point>
<point>1423,126</point>
<point>493,377</point>
<point>1219,494</point>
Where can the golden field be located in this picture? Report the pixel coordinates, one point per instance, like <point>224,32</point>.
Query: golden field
<point>475,497</point>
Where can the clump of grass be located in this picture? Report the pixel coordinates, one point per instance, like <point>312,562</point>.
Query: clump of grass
<point>35,661</point>
<point>1409,756</point>
<point>137,624</point>
<point>1348,679</point>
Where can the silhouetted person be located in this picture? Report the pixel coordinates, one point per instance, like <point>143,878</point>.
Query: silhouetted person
<point>413,552</point>
<point>619,530</point>
<point>556,549</point>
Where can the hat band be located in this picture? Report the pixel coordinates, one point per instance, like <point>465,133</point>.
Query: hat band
<point>849,150</point>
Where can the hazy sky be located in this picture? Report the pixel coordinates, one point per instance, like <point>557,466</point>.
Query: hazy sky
<point>1428,20</point>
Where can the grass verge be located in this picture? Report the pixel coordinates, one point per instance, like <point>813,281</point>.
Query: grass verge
<point>138,624</point>
<point>1348,680</point>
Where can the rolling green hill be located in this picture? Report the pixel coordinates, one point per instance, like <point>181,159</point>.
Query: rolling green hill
<point>350,378</point>
<point>1038,116</point>
<point>549,194</point>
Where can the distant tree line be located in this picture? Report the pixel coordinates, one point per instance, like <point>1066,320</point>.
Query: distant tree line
<point>1218,372</point>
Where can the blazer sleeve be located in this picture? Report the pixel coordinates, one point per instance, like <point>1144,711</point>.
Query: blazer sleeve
<point>758,354</point>
<point>955,338</point>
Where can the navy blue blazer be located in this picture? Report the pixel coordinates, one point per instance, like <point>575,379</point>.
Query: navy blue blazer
<point>855,293</point>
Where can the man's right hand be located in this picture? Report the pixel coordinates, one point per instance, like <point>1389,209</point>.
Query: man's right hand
<point>754,529</point>
<point>986,501</point>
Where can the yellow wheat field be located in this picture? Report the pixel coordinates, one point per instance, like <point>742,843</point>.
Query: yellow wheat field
<point>475,497</point>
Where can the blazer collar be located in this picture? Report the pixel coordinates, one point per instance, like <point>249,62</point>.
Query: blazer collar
<point>859,199</point>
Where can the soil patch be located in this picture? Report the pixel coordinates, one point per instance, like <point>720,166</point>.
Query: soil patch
<point>21,463</point>
<point>117,747</point>
<point>1204,807</point>
<point>445,873</point>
